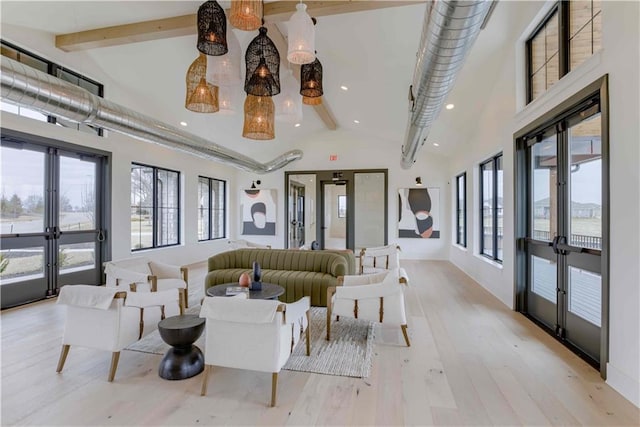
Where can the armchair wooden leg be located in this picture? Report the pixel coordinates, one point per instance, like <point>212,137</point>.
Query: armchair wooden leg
<point>331,290</point>
<point>308,333</point>
<point>205,378</point>
<point>186,298</point>
<point>274,388</point>
<point>63,357</point>
<point>406,337</point>
<point>114,365</point>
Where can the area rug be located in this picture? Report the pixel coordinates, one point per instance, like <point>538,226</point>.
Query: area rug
<point>349,352</point>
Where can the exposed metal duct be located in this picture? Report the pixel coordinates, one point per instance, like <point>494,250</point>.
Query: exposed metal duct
<point>28,87</point>
<point>449,30</point>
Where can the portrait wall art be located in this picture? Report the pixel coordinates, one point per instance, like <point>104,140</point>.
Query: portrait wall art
<point>418,213</point>
<point>258,208</point>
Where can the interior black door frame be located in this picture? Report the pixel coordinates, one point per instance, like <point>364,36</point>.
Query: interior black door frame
<point>345,175</point>
<point>51,235</point>
<point>599,89</point>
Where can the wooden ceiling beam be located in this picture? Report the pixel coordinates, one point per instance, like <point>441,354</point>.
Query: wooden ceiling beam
<point>323,110</point>
<point>185,25</point>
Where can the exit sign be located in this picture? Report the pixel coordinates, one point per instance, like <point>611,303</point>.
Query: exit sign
<point>333,157</point>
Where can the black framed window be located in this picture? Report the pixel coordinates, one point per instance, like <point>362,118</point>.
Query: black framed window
<point>461,209</point>
<point>568,35</point>
<point>212,208</point>
<point>491,211</point>
<point>155,207</point>
<point>34,61</point>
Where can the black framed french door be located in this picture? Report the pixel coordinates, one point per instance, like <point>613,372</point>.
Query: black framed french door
<point>52,219</point>
<point>563,221</point>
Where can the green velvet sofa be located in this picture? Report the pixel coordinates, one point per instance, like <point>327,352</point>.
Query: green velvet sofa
<point>300,273</point>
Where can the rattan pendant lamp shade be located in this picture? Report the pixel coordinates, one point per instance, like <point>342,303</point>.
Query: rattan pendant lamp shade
<point>246,15</point>
<point>262,59</point>
<point>302,37</point>
<point>201,97</point>
<point>311,79</point>
<point>259,112</point>
<point>306,100</point>
<point>289,102</point>
<point>212,29</point>
<point>224,70</point>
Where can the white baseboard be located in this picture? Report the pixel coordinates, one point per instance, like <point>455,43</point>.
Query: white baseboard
<point>623,384</point>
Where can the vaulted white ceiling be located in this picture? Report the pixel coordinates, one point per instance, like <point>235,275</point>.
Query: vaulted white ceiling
<point>372,53</point>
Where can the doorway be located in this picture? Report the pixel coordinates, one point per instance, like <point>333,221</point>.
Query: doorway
<point>563,219</point>
<point>344,209</point>
<point>52,221</point>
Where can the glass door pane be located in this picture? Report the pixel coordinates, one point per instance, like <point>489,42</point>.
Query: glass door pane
<point>334,224</point>
<point>544,182</point>
<point>369,210</point>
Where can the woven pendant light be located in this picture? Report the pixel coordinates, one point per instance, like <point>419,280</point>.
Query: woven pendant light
<point>200,103</point>
<point>204,99</point>
<point>246,15</point>
<point>289,102</point>
<point>259,114</point>
<point>306,100</point>
<point>224,70</point>
<point>311,79</point>
<point>262,77</point>
<point>228,99</point>
<point>302,37</point>
<point>212,29</point>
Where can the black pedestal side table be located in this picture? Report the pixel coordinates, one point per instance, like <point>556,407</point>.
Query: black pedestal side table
<point>183,360</point>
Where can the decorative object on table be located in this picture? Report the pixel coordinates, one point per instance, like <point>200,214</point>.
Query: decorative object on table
<point>268,291</point>
<point>212,29</point>
<point>235,290</point>
<point>262,59</point>
<point>301,37</point>
<point>201,97</point>
<point>183,360</point>
<point>256,283</point>
<point>246,15</point>
<point>311,79</point>
<point>419,213</point>
<point>245,280</point>
<point>258,208</point>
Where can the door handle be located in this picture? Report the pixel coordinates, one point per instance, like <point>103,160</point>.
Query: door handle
<point>569,248</point>
<point>554,245</point>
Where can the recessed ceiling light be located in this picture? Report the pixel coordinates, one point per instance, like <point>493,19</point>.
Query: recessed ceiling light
<point>435,144</point>
<point>449,106</point>
<point>343,87</point>
<point>183,123</point>
<point>297,125</point>
<point>356,121</point>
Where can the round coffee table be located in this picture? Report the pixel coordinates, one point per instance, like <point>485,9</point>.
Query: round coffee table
<point>183,359</point>
<point>269,291</point>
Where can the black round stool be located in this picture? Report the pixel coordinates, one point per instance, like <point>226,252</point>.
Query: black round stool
<point>183,360</point>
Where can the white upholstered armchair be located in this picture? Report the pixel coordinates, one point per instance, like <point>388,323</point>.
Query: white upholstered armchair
<point>375,297</point>
<point>382,258</point>
<point>258,335</point>
<point>108,319</point>
<point>142,274</point>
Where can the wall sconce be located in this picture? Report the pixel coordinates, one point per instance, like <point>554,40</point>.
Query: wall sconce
<point>255,183</point>
<point>418,181</point>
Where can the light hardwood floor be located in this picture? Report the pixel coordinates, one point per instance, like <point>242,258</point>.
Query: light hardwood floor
<point>472,362</point>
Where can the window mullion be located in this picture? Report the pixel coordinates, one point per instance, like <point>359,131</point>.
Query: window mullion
<point>154,226</point>
<point>563,38</point>
<point>495,208</point>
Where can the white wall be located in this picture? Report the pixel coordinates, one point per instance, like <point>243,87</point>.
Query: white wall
<point>361,151</point>
<point>504,115</point>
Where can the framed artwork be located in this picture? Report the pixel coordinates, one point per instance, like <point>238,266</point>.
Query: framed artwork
<point>419,213</point>
<point>258,208</point>
<point>342,206</point>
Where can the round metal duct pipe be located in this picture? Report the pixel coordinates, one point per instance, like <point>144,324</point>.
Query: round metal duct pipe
<point>449,30</point>
<point>30,88</point>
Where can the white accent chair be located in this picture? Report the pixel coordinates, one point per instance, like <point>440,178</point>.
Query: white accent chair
<point>142,274</point>
<point>382,258</point>
<point>375,297</point>
<point>107,319</point>
<point>257,335</point>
